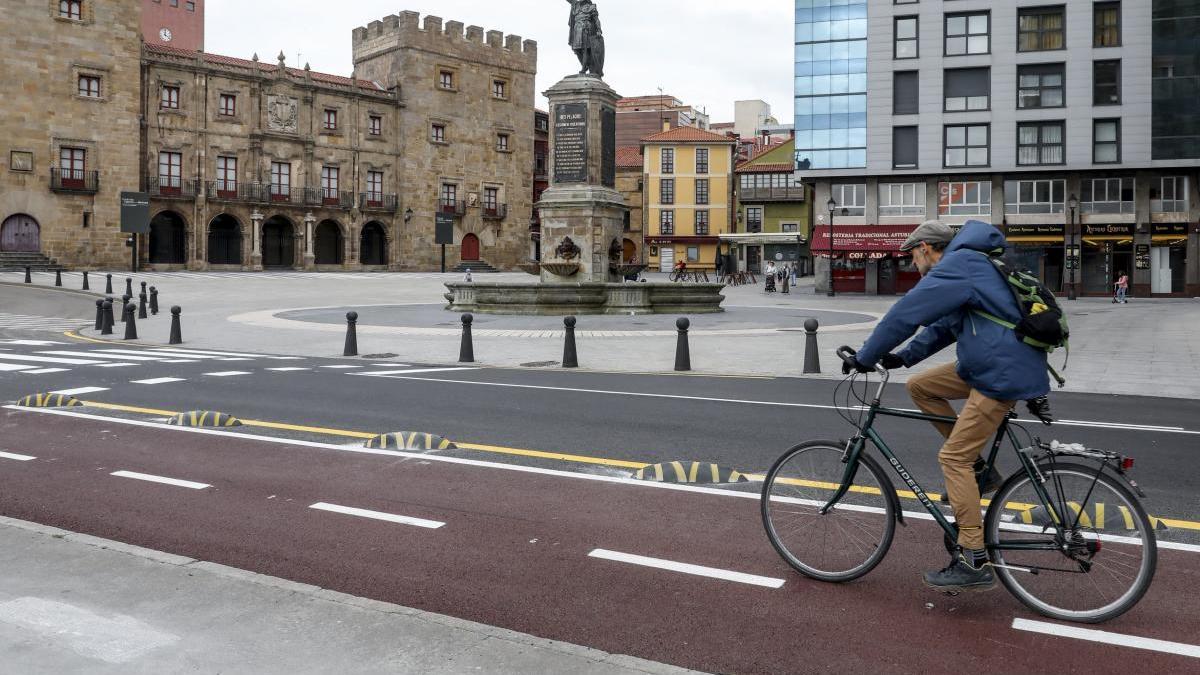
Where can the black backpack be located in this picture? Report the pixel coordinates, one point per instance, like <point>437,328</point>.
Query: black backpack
<point>1043,324</point>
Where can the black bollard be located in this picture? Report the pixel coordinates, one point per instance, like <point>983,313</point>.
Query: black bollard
<point>142,305</point>
<point>812,356</point>
<point>351,334</point>
<point>466,352</point>
<point>570,357</point>
<point>154,301</point>
<point>130,323</point>
<point>86,285</point>
<point>176,333</point>
<point>129,286</point>
<point>683,354</point>
<point>144,287</point>
<point>28,279</point>
<point>124,301</point>
<point>107,327</point>
<point>99,315</point>
<point>108,286</point>
<point>58,278</point>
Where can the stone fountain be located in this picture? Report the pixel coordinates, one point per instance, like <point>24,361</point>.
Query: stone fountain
<point>583,215</point>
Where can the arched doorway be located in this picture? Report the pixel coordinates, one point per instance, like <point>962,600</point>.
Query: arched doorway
<point>373,248</point>
<point>168,239</point>
<point>629,251</point>
<point>20,233</point>
<point>328,243</point>
<point>470,247</point>
<point>278,243</point>
<point>224,241</point>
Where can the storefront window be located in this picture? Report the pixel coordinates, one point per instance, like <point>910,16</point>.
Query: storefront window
<point>849,276</point>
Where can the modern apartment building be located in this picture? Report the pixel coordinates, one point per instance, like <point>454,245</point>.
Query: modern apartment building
<point>1072,125</point>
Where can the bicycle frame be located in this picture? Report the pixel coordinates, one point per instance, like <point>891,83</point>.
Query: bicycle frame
<point>857,445</point>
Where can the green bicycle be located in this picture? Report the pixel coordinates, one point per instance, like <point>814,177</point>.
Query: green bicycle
<point>1066,534</point>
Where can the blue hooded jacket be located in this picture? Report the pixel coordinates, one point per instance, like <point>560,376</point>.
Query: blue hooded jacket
<point>990,357</point>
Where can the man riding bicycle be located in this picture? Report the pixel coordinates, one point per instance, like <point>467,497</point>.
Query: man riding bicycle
<point>994,370</point>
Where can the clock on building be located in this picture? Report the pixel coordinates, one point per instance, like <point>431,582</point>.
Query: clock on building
<point>165,34</point>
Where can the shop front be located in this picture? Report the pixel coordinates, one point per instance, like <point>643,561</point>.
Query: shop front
<point>1166,257</point>
<point>700,253</point>
<point>866,259</point>
<point>1107,252</point>
<point>751,251</point>
<point>1038,248</point>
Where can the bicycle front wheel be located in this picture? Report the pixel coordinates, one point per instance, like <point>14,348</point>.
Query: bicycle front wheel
<point>1092,569</point>
<point>842,544</point>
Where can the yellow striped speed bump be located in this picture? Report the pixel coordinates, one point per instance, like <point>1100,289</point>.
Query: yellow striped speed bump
<point>49,401</point>
<point>697,473</point>
<point>418,441</point>
<point>204,419</point>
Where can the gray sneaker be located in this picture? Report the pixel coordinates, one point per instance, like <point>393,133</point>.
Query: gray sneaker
<point>961,575</point>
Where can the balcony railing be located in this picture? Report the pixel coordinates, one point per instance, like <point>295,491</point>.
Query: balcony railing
<point>457,207</point>
<point>67,180</point>
<point>330,198</point>
<point>280,194</point>
<point>495,212</point>
<point>378,201</point>
<point>171,187</point>
<point>767,194</point>
<point>233,191</point>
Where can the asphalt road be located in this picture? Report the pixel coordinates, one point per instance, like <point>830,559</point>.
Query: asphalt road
<point>534,552</point>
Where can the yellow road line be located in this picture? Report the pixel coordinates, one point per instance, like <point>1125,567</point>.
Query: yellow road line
<point>75,336</point>
<point>599,461</point>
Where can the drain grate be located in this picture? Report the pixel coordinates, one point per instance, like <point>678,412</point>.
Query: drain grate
<point>539,364</point>
<point>380,356</point>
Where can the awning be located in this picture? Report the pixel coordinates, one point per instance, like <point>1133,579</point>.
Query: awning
<point>858,238</point>
<point>757,238</point>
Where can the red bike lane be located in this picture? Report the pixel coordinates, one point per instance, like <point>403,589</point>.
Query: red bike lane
<point>514,552</point>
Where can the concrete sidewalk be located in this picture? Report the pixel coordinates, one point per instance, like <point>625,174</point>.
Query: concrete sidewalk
<point>72,603</point>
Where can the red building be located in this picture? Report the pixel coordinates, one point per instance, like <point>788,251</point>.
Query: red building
<point>174,23</point>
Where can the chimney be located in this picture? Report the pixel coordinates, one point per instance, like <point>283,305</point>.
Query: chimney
<point>666,126</point>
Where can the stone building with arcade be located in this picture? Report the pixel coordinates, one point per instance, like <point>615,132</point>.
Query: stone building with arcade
<point>258,163</point>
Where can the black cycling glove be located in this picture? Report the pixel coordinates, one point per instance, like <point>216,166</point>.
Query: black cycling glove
<point>892,362</point>
<point>852,364</point>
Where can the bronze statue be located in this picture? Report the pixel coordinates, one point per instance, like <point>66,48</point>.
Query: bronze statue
<point>587,39</point>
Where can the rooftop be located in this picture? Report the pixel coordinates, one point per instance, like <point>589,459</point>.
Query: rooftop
<point>629,157</point>
<point>220,60</point>
<point>688,135</point>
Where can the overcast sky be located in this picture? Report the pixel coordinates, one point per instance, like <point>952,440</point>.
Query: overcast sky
<point>708,53</point>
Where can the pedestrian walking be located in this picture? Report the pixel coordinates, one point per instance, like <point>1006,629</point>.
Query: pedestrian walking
<point>770,273</point>
<point>1122,288</point>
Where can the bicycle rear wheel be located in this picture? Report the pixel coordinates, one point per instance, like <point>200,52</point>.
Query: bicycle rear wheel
<point>1100,566</point>
<point>849,540</point>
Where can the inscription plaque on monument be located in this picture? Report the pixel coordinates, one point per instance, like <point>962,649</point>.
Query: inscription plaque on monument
<point>570,143</point>
<point>608,147</point>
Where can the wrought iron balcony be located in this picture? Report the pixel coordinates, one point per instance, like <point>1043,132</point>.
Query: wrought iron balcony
<point>233,191</point>
<point>329,198</point>
<point>495,212</point>
<point>280,194</point>
<point>457,207</point>
<point>68,180</point>
<point>772,194</point>
<point>378,201</point>
<point>170,187</point>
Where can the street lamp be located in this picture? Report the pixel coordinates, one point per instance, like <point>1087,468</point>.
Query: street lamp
<point>832,206</point>
<point>1069,249</point>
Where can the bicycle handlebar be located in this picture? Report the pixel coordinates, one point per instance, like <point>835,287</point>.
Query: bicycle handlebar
<point>845,353</point>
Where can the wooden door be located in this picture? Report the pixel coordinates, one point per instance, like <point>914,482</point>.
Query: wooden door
<point>470,247</point>
<point>20,233</point>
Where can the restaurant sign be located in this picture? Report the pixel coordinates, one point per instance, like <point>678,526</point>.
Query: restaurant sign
<point>861,238</point>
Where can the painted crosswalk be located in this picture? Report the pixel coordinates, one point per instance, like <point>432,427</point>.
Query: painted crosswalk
<point>49,357</point>
<point>39,323</point>
<point>97,280</point>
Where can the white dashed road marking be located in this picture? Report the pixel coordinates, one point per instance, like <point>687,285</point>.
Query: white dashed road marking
<point>10,367</point>
<point>340,367</point>
<point>79,391</point>
<point>14,456</point>
<point>377,515</point>
<point>1107,638</point>
<point>44,371</point>
<point>697,570</point>
<point>159,380</point>
<point>228,373</point>
<point>160,479</point>
<point>411,372</point>
<point>287,370</point>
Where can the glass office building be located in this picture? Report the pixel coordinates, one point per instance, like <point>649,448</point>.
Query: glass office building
<point>831,84</point>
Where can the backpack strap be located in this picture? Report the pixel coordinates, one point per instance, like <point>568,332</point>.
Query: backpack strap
<point>1012,326</point>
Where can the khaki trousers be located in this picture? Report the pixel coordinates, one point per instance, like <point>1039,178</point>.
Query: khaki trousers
<point>932,391</point>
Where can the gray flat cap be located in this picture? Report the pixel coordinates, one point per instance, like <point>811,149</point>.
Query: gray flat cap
<point>931,232</point>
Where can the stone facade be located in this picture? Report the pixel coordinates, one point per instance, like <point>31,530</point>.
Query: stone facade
<point>256,153</point>
<point>467,101</point>
<point>631,181</point>
<point>46,52</point>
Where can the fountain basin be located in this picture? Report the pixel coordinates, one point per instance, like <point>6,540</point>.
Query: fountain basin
<point>584,298</point>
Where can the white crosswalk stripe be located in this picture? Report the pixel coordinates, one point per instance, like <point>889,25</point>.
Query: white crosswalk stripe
<point>39,323</point>
<point>96,280</point>
<point>47,357</point>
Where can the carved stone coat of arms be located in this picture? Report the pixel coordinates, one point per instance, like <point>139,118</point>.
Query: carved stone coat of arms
<point>282,113</point>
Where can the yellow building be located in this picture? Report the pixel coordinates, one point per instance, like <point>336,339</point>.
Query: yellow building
<point>688,196</point>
